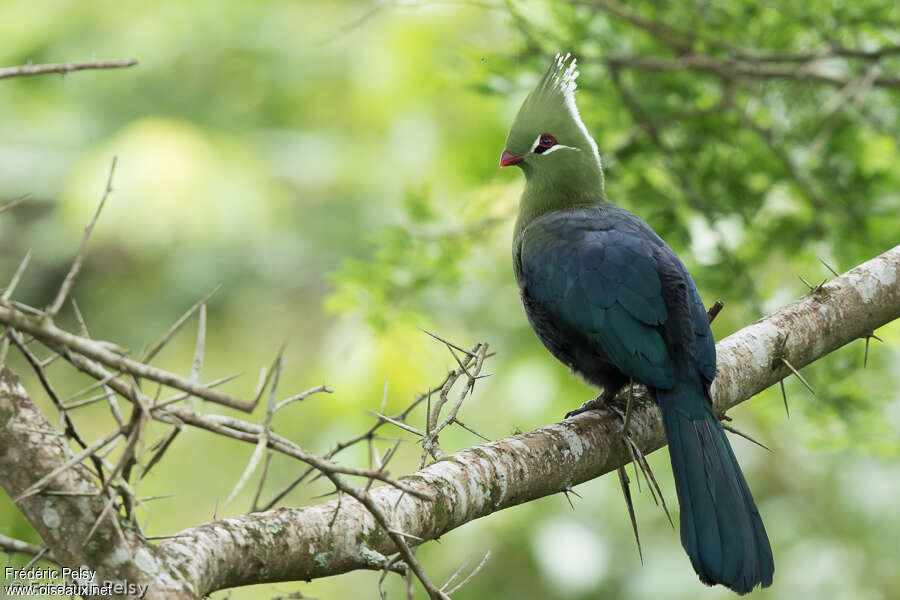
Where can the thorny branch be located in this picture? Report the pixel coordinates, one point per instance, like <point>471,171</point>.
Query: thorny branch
<point>481,480</point>
<point>121,377</point>
<point>403,509</point>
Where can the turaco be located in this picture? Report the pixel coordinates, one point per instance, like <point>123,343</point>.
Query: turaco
<point>610,299</point>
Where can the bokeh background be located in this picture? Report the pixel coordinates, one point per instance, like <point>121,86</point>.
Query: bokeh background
<point>334,166</point>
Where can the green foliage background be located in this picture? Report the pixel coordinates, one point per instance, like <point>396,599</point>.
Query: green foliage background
<point>334,166</point>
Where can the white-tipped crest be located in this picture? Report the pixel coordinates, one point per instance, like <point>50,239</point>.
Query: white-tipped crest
<point>560,79</point>
<point>550,108</point>
<point>564,75</point>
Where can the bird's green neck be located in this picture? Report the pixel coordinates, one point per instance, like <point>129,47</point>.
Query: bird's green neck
<point>579,187</point>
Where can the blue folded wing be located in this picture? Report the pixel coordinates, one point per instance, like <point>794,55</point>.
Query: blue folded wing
<point>602,286</point>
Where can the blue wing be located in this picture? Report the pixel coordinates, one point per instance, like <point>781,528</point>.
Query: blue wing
<point>596,278</point>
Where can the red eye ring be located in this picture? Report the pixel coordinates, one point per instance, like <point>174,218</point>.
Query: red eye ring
<point>547,141</point>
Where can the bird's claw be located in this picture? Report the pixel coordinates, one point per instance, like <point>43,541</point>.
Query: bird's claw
<point>595,404</point>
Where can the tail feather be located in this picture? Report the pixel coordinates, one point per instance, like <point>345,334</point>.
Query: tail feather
<point>721,529</point>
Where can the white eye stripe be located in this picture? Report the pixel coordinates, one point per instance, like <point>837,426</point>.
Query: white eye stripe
<point>553,148</point>
<point>559,147</point>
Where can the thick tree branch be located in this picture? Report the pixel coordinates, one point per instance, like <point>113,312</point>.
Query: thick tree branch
<point>358,532</point>
<point>293,544</point>
<point>71,521</point>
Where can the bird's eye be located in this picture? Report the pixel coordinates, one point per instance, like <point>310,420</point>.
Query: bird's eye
<point>544,142</point>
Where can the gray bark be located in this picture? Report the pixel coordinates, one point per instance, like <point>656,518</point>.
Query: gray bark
<point>30,450</point>
<point>305,543</point>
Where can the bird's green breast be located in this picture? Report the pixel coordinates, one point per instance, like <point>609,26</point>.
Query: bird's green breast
<point>536,202</point>
<point>568,182</point>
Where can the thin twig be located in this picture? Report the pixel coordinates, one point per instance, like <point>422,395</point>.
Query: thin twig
<point>160,344</point>
<point>63,68</point>
<point>161,449</point>
<point>302,396</point>
<point>12,545</point>
<point>14,203</point>
<point>69,281</point>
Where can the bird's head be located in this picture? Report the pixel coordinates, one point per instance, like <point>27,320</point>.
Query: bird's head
<point>548,140</point>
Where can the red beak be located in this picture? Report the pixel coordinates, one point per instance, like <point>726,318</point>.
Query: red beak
<point>508,158</point>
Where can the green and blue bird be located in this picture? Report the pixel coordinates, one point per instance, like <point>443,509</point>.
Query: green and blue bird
<point>611,300</point>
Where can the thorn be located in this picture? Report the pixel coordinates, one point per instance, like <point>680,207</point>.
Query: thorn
<point>449,343</point>
<point>17,276</point>
<point>799,376</point>
<point>82,325</point>
<point>200,346</point>
<point>810,286</point>
<point>399,424</point>
<point>459,362</point>
<point>784,396</point>
<point>827,266</point>
<point>626,493</point>
<point>868,337</point>
<point>337,509</point>
<point>566,492</point>
<point>407,535</point>
<point>469,429</point>
<point>745,436</point>
<point>474,572</point>
<point>327,494</point>
<point>651,481</point>
<point>636,465</point>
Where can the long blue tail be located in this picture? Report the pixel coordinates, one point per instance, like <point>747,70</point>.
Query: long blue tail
<point>721,529</point>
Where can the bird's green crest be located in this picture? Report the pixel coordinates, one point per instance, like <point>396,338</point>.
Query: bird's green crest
<point>550,108</point>
<point>551,145</point>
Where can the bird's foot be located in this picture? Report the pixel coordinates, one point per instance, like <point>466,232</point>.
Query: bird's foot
<point>594,404</point>
<point>597,403</point>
